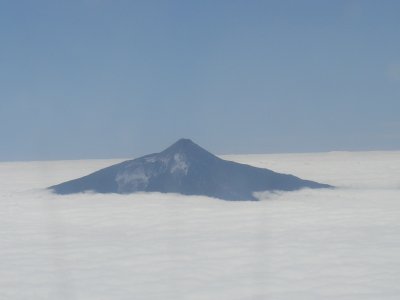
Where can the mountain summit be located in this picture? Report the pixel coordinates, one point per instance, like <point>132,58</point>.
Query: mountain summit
<point>188,169</point>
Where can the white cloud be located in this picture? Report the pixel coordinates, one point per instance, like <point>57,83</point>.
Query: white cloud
<point>311,244</point>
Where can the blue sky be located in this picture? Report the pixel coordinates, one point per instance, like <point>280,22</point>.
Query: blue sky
<point>106,79</point>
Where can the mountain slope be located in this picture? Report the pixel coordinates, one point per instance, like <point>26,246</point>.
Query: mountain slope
<point>188,169</point>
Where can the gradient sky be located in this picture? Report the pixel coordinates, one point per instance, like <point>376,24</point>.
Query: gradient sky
<point>108,79</point>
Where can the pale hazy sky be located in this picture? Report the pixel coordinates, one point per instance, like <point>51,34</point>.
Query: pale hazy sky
<point>107,79</point>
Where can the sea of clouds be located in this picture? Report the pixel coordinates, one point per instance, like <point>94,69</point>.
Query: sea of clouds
<point>311,244</point>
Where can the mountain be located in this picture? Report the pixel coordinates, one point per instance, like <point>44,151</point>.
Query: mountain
<point>188,169</point>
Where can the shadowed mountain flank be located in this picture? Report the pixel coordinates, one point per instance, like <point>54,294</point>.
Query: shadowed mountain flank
<point>187,169</point>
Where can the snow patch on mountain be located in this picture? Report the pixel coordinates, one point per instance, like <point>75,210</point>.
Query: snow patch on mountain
<point>136,179</point>
<point>179,164</point>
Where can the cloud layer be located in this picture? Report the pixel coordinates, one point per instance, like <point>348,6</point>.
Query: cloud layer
<point>311,244</point>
